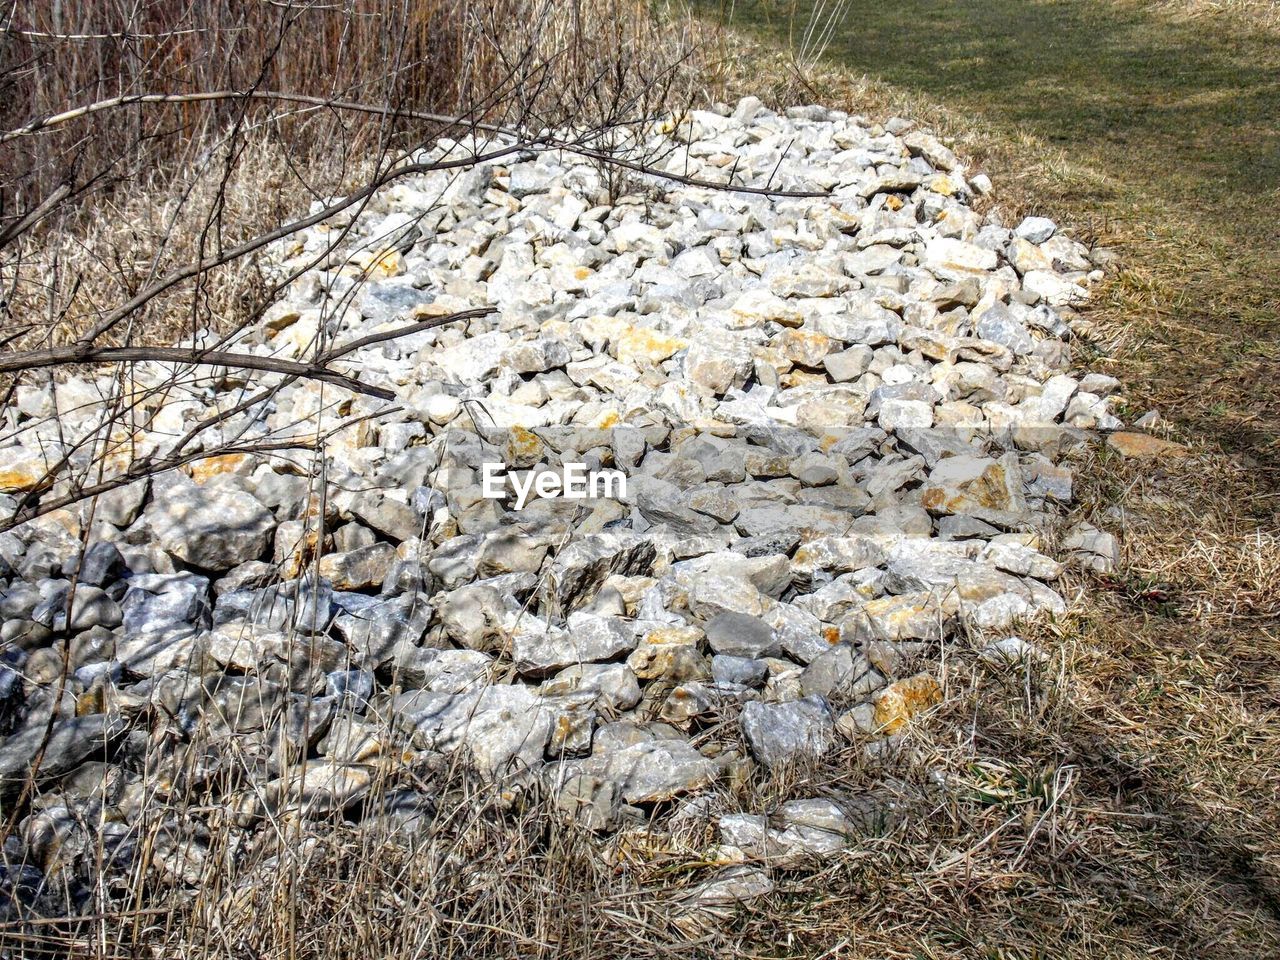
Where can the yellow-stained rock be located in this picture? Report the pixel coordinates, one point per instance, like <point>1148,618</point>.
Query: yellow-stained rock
<point>670,653</point>
<point>301,554</point>
<point>18,476</point>
<point>281,315</point>
<point>908,616</point>
<point>804,347</point>
<point>90,702</point>
<point>384,263</point>
<point>975,486</point>
<point>644,343</point>
<point>423,311</point>
<point>608,418</point>
<point>524,448</point>
<point>897,703</point>
<point>940,183</point>
<point>66,519</point>
<point>803,378</point>
<point>210,467</point>
<point>1143,446</point>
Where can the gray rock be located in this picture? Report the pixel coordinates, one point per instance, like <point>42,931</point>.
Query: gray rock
<point>922,144</point>
<point>848,364</point>
<point>505,551</point>
<point>779,732</point>
<point>101,564</point>
<point>19,600</point>
<point>840,673</point>
<point>353,687</point>
<point>592,801</point>
<point>613,685</point>
<point>70,741</point>
<point>815,470</point>
<point>319,791</point>
<point>671,654</point>
<point>471,615</point>
<point>536,356</point>
<point>503,729</point>
<point>734,885</point>
<point>93,607</point>
<point>835,556</point>
<point>742,635</point>
<point>158,603</point>
<point>446,671</point>
<point>453,563</point>
<point>247,576</point>
<point>649,771</point>
<point>580,569</point>
<point>740,670</point>
<point>121,506</point>
<point>393,519</point>
<point>539,649</point>
<point>358,569</point>
<point>90,607</point>
<point>1092,548</point>
<point>373,631</point>
<point>302,603</point>
<point>814,827</point>
<point>998,324</point>
<point>1036,229</point>
<point>689,701</point>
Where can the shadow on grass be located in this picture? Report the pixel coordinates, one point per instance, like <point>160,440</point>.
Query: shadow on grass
<point>1164,131</point>
<point>1140,94</point>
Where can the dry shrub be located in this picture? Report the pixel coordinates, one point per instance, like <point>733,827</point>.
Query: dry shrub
<point>441,55</point>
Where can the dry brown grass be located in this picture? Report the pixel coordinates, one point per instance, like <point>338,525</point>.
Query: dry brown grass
<point>1249,12</point>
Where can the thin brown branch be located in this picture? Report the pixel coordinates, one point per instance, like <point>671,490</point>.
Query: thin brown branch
<point>62,356</point>
<point>150,468</point>
<point>546,142</point>
<point>405,331</point>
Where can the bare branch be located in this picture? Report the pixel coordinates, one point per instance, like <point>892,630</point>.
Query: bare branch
<point>61,356</point>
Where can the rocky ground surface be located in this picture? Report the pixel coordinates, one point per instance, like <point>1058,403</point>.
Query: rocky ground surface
<point>842,420</point>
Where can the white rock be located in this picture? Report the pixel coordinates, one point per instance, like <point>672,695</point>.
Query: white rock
<point>1036,229</point>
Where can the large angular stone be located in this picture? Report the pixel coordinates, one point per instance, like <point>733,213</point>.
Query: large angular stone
<point>503,729</point>
<point>211,527</point>
<point>650,771</point>
<point>779,732</point>
<point>69,742</point>
<point>539,649</point>
<point>742,635</point>
<point>990,490</point>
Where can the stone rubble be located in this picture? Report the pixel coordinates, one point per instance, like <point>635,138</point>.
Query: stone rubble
<point>841,419</point>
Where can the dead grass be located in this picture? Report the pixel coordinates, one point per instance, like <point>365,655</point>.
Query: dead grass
<point>1249,12</point>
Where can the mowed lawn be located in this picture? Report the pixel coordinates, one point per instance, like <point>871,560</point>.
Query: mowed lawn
<point>1152,129</point>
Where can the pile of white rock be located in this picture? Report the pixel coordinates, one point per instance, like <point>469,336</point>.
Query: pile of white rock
<point>841,421</point>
